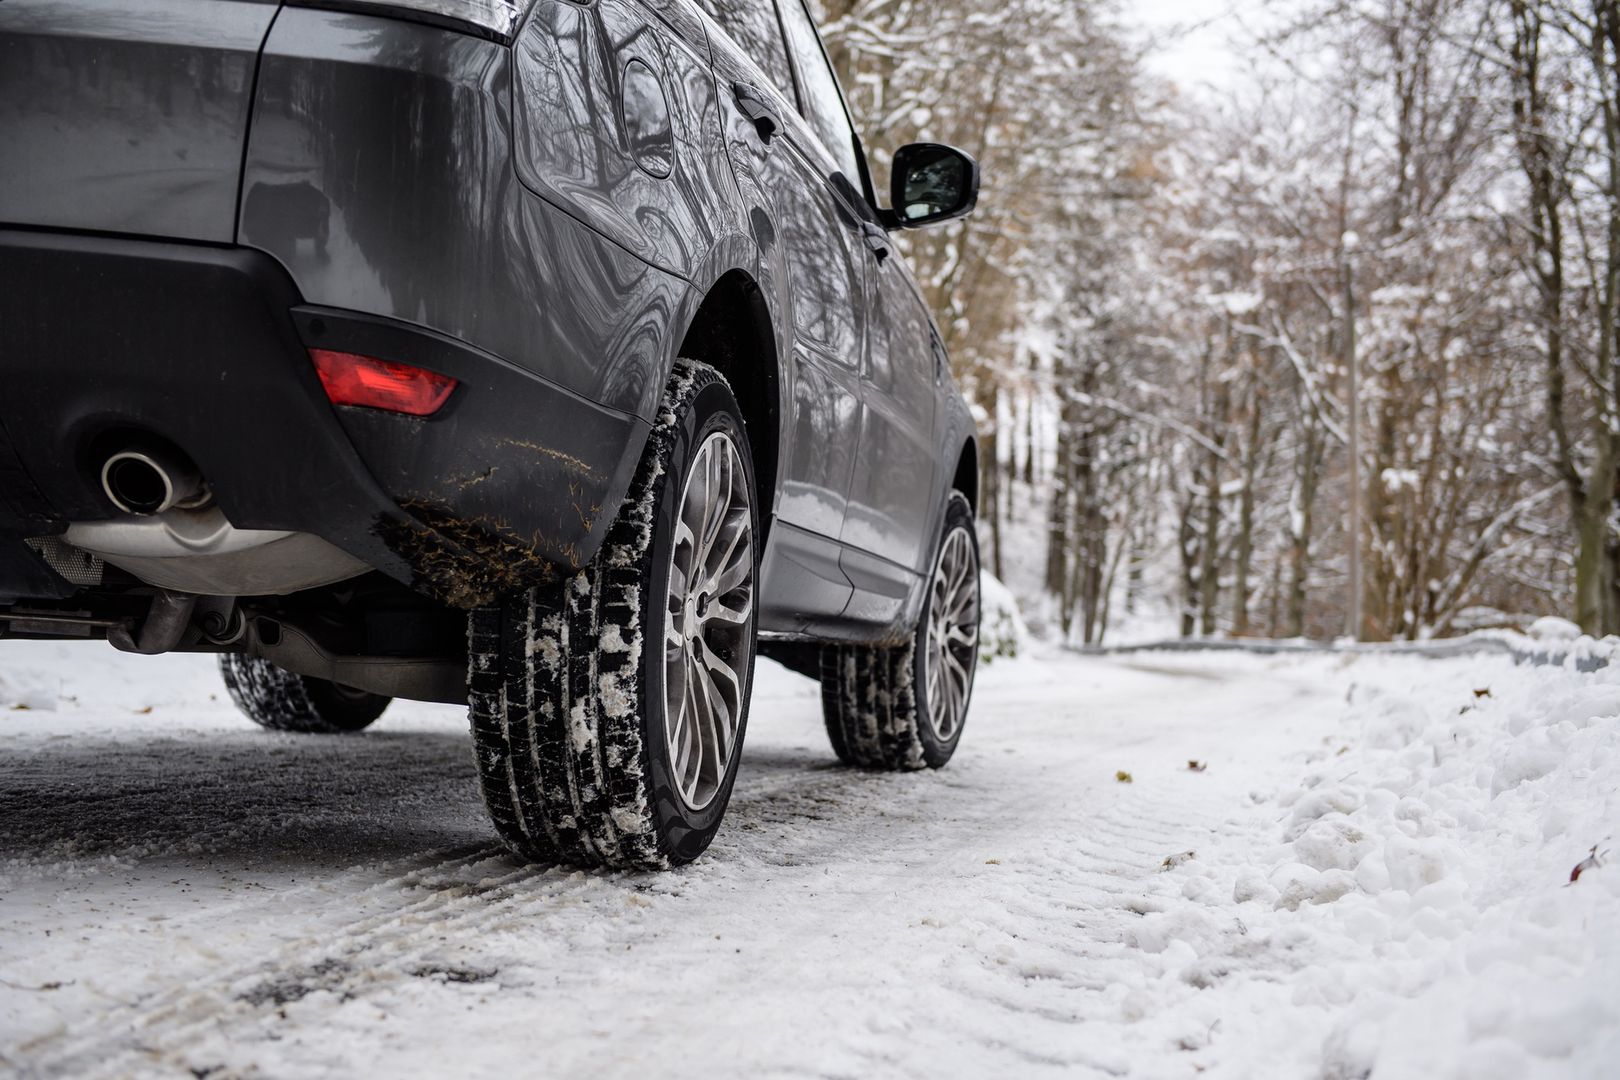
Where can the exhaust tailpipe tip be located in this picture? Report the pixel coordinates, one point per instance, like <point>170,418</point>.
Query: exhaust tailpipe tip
<point>149,481</point>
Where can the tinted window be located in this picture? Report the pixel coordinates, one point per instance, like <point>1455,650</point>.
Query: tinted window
<point>816,238</point>
<point>752,25</point>
<point>822,100</point>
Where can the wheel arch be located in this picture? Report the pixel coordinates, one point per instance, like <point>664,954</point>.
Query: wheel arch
<point>966,477</point>
<point>732,331</point>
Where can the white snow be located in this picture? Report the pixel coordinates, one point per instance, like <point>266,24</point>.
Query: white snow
<point>1002,632</point>
<point>1552,628</point>
<point>1369,874</point>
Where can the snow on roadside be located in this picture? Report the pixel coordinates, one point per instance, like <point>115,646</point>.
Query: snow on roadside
<point>1002,633</point>
<point>1369,875</point>
<point>1420,877</point>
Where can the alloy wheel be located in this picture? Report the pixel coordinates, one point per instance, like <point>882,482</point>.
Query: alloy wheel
<point>953,634</point>
<point>708,629</point>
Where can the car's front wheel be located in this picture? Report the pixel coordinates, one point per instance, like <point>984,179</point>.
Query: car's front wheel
<point>904,706</point>
<point>608,711</point>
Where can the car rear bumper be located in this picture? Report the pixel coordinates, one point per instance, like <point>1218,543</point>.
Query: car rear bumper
<point>104,340</point>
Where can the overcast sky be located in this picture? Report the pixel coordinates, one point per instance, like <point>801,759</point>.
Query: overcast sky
<point>1200,42</point>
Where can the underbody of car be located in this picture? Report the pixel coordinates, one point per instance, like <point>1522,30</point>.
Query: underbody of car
<point>359,342</point>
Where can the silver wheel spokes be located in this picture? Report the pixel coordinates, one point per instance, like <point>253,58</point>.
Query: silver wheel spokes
<point>708,620</point>
<point>953,635</point>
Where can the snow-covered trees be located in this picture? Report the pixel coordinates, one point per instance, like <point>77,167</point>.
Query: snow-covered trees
<point>1562,70</point>
<point>1179,316</point>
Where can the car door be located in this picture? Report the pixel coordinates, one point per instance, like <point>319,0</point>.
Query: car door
<point>812,230</point>
<point>888,513</point>
<point>893,493</point>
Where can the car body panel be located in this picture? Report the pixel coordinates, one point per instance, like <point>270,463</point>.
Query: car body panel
<point>440,232</point>
<point>616,122</point>
<point>124,117</point>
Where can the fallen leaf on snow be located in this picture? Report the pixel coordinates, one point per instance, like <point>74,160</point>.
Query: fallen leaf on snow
<point>1123,777</point>
<point>1483,693</point>
<point>1591,862</point>
<point>41,987</point>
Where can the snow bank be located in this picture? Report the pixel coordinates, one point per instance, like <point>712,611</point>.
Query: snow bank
<point>1002,632</point>
<point>1420,875</point>
<point>25,689</point>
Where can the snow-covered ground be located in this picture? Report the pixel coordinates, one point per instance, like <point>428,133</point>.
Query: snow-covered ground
<point>1367,873</point>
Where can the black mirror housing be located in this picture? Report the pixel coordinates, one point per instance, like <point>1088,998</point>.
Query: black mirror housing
<point>931,183</point>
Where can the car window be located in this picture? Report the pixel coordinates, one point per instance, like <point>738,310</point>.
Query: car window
<point>822,101</point>
<point>752,25</point>
<point>825,268</point>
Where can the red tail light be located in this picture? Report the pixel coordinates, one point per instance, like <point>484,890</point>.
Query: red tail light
<point>351,379</point>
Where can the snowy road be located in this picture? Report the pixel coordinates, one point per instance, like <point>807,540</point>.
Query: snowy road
<point>182,894</point>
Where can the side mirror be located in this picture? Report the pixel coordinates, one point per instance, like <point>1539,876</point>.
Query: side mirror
<point>930,183</point>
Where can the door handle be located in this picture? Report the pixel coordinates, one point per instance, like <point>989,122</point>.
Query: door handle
<point>751,100</point>
<point>877,241</point>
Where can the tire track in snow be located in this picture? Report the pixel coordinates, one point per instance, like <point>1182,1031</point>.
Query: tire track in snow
<point>1017,877</point>
<point>380,949</point>
<point>1082,909</point>
<point>153,1022</point>
<point>366,954</point>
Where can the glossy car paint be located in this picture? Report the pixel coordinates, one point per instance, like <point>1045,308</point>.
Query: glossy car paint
<point>573,72</point>
<point>127,117</point>
<point>401,134</point>
<point>892,496</point>
<point>539,216</point>
<point>813,272</point>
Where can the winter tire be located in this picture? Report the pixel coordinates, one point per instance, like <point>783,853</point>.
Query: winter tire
<point>282,701</point>
<point>904,706</point>
<point>608,712</point>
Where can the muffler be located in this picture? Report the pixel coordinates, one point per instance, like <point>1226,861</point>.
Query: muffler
<point>150,480</point>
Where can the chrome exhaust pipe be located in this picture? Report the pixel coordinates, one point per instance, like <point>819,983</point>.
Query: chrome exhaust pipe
<point>149,481</point>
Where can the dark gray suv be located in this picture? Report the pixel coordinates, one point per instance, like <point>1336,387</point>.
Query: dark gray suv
<point>552,356</point>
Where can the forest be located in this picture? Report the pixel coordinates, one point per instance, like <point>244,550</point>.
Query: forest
<point>1331,353</point>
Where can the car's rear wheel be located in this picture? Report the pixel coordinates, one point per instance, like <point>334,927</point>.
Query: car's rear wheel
<point>608,712</point>
<point>904,706</point>
<point>281,701</point>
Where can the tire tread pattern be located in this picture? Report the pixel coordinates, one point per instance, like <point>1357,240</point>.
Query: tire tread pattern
<point>556,693</point>
<point>869,699</point>
<point>281,701</point>
<point>869,702</point>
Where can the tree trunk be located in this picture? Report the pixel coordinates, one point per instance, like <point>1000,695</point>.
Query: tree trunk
<point>991,471</point>
<point>1244,553</point>
<point>1057,513</point>
<point>1029,456</point>
<point>1605,56</point>
<point>1209,567</point>
<point>1380,523</point>
<point>1299,538</point>
<point>1187,545</point>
